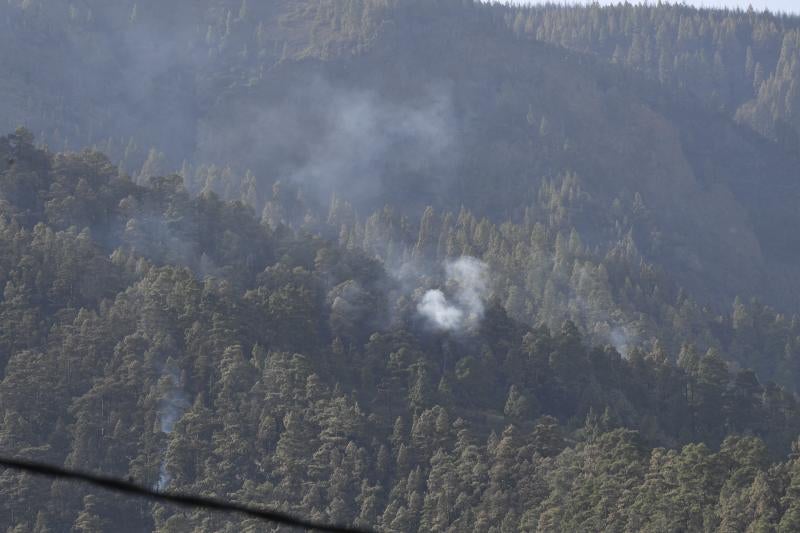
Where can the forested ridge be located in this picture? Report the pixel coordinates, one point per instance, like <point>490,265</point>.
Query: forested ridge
<point>187,345</point>
<point>743,62</point>
<point>414,103</point>
<point>407,265</point>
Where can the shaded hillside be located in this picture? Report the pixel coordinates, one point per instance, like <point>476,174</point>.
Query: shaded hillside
<point>410,103</point>
<point>742,62</point>
<point>173,339</point>
<point>412,265</point>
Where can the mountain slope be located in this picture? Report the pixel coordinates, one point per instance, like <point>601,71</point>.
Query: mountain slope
<point>398,264</point>
<point>446,114</point>
<point>176,341</point>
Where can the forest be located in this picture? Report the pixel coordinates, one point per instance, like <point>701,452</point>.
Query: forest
<point>403,265</point>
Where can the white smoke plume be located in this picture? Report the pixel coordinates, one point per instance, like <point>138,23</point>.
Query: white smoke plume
<point>443,315</point>
<point>622,340</point>
<point>466,280</point>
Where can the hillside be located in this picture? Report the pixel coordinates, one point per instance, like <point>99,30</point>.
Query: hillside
<point>433,265</point>
<point>232,88</point>
<point>741,62</point>
<point>176,341</point>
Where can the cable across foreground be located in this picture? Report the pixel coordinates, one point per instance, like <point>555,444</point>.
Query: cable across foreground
<point>185,500</point>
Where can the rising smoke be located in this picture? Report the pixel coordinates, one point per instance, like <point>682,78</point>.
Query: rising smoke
<point>170,411</point>
<point>467,284</point>
<point>443,315</point>
<point>330,138</point>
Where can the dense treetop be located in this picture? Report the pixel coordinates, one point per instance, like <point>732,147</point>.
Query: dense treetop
<point>240,298</point>
<point>177,340</point>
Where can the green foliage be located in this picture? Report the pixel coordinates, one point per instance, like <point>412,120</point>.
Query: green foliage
<point>286,369</point>
<point>152,326</point>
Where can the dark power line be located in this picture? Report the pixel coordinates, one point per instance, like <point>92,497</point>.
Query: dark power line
<point>185,500</point>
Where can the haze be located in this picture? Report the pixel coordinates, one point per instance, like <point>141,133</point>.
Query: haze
<point>400,265</point>
<point>775,6</point>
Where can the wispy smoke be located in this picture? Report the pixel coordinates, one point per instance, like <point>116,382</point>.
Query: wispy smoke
<point>171,409</point>
<point>328,137</point>
<point>589,303</point>
<point>622,339</point>
<point>466,281</point>
<point>369,140</point>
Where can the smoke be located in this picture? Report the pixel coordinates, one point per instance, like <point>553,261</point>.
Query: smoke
<point>590,304</point>
<point>171,409</point>
<point>470,276</point>
<point>466,279</point>
<point>622,339</point>
<point>371,143</point>
<point>331,138</point>
<point>193,84</point>
<point>435,307</point>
